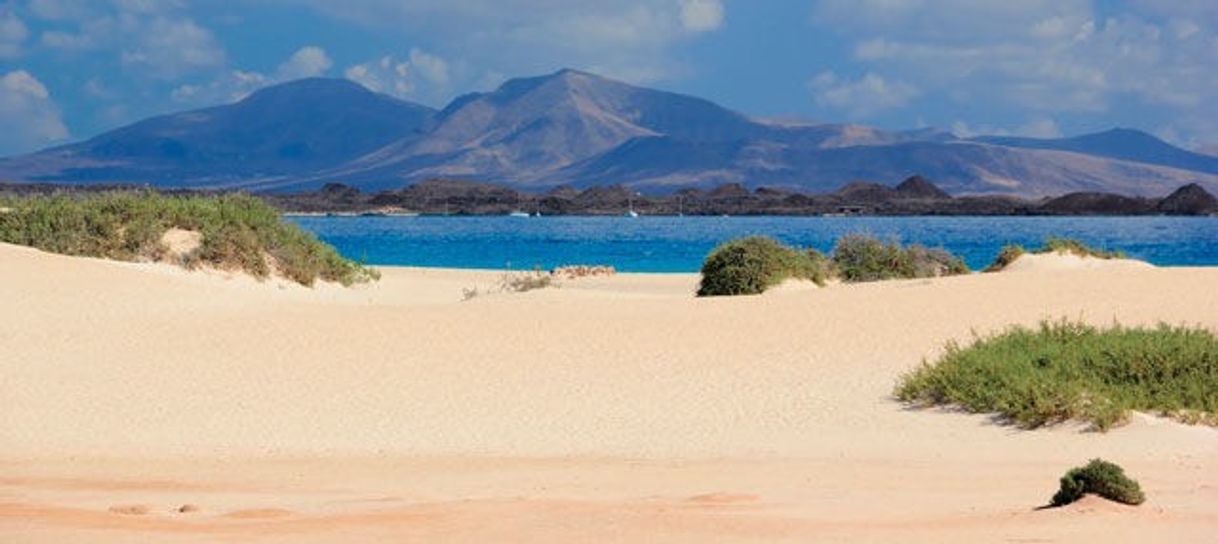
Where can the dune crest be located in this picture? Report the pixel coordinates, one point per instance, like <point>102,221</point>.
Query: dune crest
<point>1061,262</point>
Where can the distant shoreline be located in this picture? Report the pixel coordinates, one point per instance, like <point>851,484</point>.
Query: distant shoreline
<point>914,197</point>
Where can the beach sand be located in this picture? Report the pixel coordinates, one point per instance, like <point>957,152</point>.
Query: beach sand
<point>143,403</point>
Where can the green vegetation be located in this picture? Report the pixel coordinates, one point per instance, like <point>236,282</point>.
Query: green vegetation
<point>1101,478</point>
<point>520,282</point>
<point>1009,254</point>
<point>860,258</point>
<point>1075,247</point>
<point>749,266</point>
<point>1065,370</point>
<point>1069,246</point>
<point>239,232</point>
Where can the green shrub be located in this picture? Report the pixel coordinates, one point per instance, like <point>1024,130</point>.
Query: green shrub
<point>1009,254</point>
<point>749,266</point>
<point>1101,478</point>
<point>860,258</point>
<point>1064,370</point>
<point>1075,247</point>
<point>239,232</point>
<point>513,282</point>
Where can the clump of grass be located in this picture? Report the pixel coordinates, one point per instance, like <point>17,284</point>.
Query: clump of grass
<point>520,282</point>
<point>1075,247</point>
<point>239,232</point>
<point>749,266</point>
<point>860,258</point>
<point>1009,254</point>
<point>1063,370</point>
<point>1101,478</point>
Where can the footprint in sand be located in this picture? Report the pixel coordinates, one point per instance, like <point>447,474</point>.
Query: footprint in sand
<point>723,498</point>
<point>130,510</point>
<point>258,513</point>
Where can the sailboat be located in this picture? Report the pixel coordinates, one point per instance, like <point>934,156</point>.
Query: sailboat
<point>631,212</point>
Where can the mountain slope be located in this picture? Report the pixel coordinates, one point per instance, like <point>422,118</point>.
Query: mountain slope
<point>284,130</point>
<point>1118,143</point>
<point>578,129</point>
<point>530,127</point>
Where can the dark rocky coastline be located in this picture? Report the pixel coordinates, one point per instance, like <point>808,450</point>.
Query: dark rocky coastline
<point>913,196</point>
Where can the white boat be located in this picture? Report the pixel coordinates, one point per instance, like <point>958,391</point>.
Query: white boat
<point>518,213</point>
<point>632,213</point>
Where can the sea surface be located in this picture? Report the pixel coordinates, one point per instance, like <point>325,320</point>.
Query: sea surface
<point>678,244</point>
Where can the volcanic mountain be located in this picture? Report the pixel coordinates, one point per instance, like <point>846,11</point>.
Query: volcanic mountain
<point>576,129</point>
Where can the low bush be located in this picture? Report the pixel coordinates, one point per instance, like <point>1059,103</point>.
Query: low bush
<point>749,266</point>
<point>1063,370</point>
<point>520,282</point>
<point>1010,253</point>
<point>1099,477</point>
<point>1075,247</point>
<point>239,232</point>
<point>860,258</point>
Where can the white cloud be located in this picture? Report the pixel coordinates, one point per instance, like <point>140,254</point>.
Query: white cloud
<point>170,48</point>
<point>308,61</point>
<point>1042,58</point>
<point>30,115</point>
<point>625,39</point>
<point>231,86</point>
<point>420,76</point>
<point>13,33</point>
<point>860,97</point>
<point>701,15</point>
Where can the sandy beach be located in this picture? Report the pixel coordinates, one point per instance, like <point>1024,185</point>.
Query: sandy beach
<point>143,403</point>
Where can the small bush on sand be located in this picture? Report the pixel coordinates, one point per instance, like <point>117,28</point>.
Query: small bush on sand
<point>1009,254</point>
<point>520,282</point>
<point>1101,478</point>
<point>749,266</point>
<point>1063,370</point>
<point>239,232</point>
<point>860,258</point>
<point>1075,247</point>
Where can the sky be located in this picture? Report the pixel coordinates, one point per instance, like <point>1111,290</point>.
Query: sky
<point>70,69</point>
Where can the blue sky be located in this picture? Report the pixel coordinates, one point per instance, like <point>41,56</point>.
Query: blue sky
<point>70,69</point>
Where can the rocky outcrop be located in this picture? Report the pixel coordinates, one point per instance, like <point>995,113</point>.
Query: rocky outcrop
<point>1190,199</point>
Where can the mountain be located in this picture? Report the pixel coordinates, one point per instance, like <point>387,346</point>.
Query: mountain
<point>574,129</point>
<point>1118,143</point>
<point>529,128</point>
<point>281,131</point>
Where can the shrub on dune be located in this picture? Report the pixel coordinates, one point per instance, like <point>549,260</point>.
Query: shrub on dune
<point>1066,246</point>
<point>1062,371</point>
<point>1009,254</point>
<point>1099,477</point>
<point>860,258</point>
<point>238,232</point>
<point>749,266</point>
<point>1075,247</point>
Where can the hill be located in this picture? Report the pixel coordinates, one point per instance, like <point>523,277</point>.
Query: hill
<point>577,129</point>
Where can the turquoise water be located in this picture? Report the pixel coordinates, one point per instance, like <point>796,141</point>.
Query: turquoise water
<point>678,244</point>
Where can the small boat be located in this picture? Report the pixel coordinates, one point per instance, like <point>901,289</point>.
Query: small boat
<point>518,213</point>
<point>632,213</point>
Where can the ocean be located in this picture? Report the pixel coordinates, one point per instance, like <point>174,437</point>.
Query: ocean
<point>678,244</point>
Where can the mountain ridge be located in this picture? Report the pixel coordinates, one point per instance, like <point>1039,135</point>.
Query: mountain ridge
<point>579,129</point>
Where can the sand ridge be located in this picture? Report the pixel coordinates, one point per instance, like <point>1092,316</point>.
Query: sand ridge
<point>610,409</point>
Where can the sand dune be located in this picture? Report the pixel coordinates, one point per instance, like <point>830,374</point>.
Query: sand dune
<point>615,409</point>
